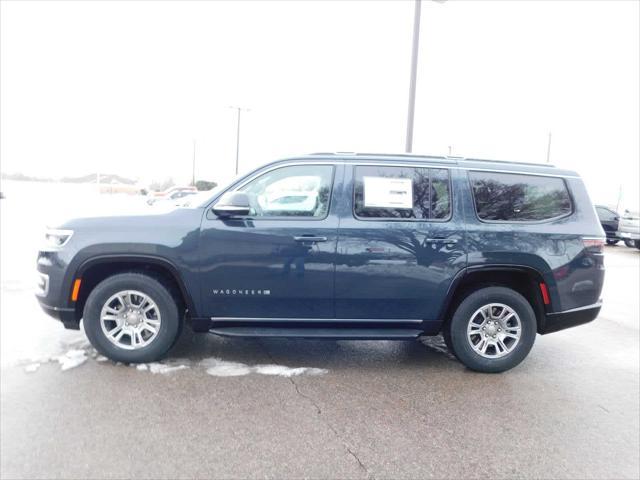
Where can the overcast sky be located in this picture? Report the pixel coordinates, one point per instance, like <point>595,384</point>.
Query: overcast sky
<point>125,87</point>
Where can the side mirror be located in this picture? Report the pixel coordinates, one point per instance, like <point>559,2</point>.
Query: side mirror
<point>232,204</point>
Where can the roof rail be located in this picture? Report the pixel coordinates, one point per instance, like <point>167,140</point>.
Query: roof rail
<point>361,154</point>
<point>439,157</point>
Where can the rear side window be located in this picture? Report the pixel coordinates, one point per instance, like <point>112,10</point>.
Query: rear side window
<point>402,192</point>
<point>519,198</point>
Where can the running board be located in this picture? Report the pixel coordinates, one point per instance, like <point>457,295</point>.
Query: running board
<point>327,333</point>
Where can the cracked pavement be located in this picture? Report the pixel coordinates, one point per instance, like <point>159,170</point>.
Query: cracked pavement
<point>383,409</point>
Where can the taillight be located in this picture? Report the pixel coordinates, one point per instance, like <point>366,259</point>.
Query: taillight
<point>593,245</point>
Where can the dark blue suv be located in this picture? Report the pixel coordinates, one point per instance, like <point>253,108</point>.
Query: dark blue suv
<point>341,246</point>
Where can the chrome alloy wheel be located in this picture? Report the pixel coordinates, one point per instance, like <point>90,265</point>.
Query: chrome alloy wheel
<point>130,319</point>
<point>494,330</point>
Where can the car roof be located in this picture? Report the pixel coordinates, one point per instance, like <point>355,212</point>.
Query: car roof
<point>461,162</point>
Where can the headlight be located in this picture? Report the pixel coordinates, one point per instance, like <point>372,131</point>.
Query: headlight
<point>55,239</point>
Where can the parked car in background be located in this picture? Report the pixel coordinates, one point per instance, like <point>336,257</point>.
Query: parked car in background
<point>173,193</point>
<point>629,229</point>
<point>176,198</point>
<point>331,246</point>
<point>609,220</point>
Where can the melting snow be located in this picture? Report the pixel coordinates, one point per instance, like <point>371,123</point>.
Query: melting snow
<point>72,359</point>
<point>286,371</point>
<point>164,368</point>
<point>32,368</point>
<point>222,368</point>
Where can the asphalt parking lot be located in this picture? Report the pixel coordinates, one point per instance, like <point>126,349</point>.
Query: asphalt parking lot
<point>374,410</point>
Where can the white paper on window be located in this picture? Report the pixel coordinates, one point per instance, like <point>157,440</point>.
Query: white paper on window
<point>383,192</point>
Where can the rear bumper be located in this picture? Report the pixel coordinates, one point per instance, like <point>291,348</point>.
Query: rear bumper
<point>554,322</point>
<point>629,235</point>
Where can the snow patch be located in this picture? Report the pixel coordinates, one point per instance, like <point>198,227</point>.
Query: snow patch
<point>164,369</point>
<point>223,368</point>
<point>32,368</point>
<point>72,359</point>
<point>283,371</point>
<point>142,366</point>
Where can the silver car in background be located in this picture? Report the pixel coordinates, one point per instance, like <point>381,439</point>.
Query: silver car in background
<point>629,229</point>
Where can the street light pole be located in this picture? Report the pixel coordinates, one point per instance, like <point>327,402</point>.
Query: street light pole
<point>414,73</point>
<point>238,140</point>
<point>239,110</point>
<point>549,148</point>
<point>193,166</point>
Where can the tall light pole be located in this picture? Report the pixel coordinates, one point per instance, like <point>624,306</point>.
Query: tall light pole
<point>239,110</point>
<point>414,72</point>
<point>549,148</point>
<point>193,166</point>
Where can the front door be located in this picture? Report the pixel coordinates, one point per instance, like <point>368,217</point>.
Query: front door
<point>401,244</point>
<point>277,262</point>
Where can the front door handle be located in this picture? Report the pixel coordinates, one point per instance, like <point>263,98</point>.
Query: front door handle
<point>310,238</point>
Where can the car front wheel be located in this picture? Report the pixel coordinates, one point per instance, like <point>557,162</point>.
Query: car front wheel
<point>131,318</point>
<point>492,330</point>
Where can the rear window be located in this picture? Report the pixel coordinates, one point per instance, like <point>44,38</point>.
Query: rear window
<point>519,198</point>
<point>402,192</point>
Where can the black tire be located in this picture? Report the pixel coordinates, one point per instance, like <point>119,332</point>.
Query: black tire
<point>630,243</point>
<point>456,329</point>
<point>169,312</point>
<point>612,241</point>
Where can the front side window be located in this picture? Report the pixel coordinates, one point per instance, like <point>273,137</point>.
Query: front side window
<point>295,191</point>
<point>520,198</point>
<point>402,192</point>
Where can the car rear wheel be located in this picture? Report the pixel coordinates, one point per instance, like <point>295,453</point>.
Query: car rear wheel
<point>131,318</point>
<point>492,330</point>
<point>630,243</point>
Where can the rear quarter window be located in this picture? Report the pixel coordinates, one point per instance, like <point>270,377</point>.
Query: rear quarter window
<point>513,197</point>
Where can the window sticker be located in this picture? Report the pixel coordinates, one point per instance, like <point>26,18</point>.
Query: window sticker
<point>384,192</point>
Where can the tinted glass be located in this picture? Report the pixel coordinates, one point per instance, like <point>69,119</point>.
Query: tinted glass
<point>513,197</point>
<point>605,214</point>
<point>402,192</point>
<point>295,191</point>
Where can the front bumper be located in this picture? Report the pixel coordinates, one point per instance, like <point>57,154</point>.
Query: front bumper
<point>65,315</point>
<point>554,322</point>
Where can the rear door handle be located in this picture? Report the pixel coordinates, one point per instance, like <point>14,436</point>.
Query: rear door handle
<point>441,240</point>
<point>310,238</point>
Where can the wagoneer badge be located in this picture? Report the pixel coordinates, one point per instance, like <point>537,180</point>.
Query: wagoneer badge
<point>241,292</point>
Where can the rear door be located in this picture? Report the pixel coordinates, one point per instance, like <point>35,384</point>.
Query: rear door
<point>401,242</point>
<point>277,262</point>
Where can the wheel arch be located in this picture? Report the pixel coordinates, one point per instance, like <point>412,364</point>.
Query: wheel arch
<point>96,269</point>
<point>521,278</point>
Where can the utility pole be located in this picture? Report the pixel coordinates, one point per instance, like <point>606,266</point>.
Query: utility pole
<point>549,148</point>
<point>414,72</point>
<point>193,165</point>
<point>239,110</point>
